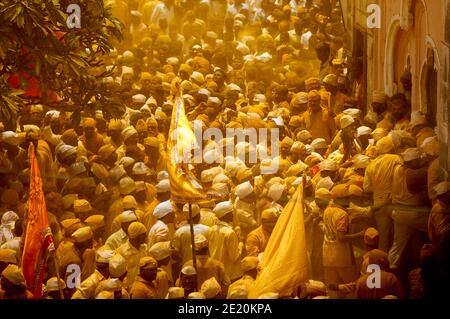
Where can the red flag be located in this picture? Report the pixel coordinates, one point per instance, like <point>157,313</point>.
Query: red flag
<point>38,237</point>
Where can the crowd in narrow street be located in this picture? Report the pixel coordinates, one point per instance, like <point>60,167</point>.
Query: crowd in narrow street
<point>373,192</point>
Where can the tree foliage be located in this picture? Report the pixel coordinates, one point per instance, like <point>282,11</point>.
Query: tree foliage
<point>67,63</point>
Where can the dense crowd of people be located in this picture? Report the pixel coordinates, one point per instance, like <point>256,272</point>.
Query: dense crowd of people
<point>374,192</point>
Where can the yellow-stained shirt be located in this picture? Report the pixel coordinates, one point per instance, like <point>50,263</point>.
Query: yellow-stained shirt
<point>336,253</point>
<point>379,178</point>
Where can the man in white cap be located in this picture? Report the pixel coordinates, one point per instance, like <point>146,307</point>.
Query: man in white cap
<point>182,237</point>
<point>378,179</point>
<point>419,127</point>
<point>133,250</point>
<point>410,212</point>
<point>257,240</point>
<point>187,280</point>
<point>362,140</point>
<point>338,260</point>
<point>120,236</point>
<point>336,97</point>
<point>162,189</point>
<point>164,213</point>
<point>207,267</point>
<point>249,266</point>
<point>317,120</point>
<point>88,286</point>
<point>162,252</point>
<point>224,244</point>
<point>144,286</point>
<point>244,205</point>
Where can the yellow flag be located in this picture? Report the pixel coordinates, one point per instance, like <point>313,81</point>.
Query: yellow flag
<point>184,187</point>
<point>285,261</point>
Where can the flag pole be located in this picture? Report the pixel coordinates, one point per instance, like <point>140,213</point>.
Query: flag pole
<point>55,261</point>
<point>191,224</point>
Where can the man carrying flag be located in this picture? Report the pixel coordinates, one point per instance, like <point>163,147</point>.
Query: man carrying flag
<point>285,261</point>
<point>38,238</point>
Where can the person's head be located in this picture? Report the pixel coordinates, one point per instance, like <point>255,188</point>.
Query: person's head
<point>443,192</point>
<point>322,197</point>
<point>399,106</point>
<point>285,146</point>
<point>219,76</point>
<point>371,238</point>
<point>7,257</point>
<point>330,83</point>
<point>137,234</point>
<point>162,252</point>
<point>269,219</point>
<point>164,211</point>
<point>83,238</point>
<point>412,158</point>
<point>188,278</point>
<point>201,245</point>
<point>379,102</point>
<point>53,287</point>
<point>148,268</point>
<point>314,100</point>
<point>323,51</point>
<point>12,279</point>
<point>89,127</point>
<point>428,257</point>
<point>224,211</point>
<point>130,136</point>
<point>249,266</point>
<point>245,192</point>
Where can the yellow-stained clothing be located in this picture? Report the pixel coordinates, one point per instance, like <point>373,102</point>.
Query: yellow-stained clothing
<point>92,145</point>
<point>336,253</point>
<point>208,267</point>
<point>389,285</point>
<point>148,220</point>
<point>143,289</point>
<point>208,218</point>
<point>400,193</point>
<point>320,124</point>
<point>402,124</point>
<point>423,134</point>
<point>114,210</point>
<point>67,255</point>
<point>162,283</point>
<point>116,239</point>
<point>338,260</point>
<point>246,281</point>
<point>224,247</point>
<point>433,177</point>
<point>101,287</point>
<point>132,255</point>
<point>438,221</point>
<point>158,233</point>
<point>256,241</point>
<point>182,240</point>
<point>88,287</point>
<point>379,177</point>
<point>245,215</point>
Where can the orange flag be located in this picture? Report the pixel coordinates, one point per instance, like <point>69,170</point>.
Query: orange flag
<point>184,187</point>
<point>38,237</point>
<point>285,260</point>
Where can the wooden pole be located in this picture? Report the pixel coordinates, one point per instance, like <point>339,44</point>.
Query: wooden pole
<point>61,294</point>
<point>191,224</point>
